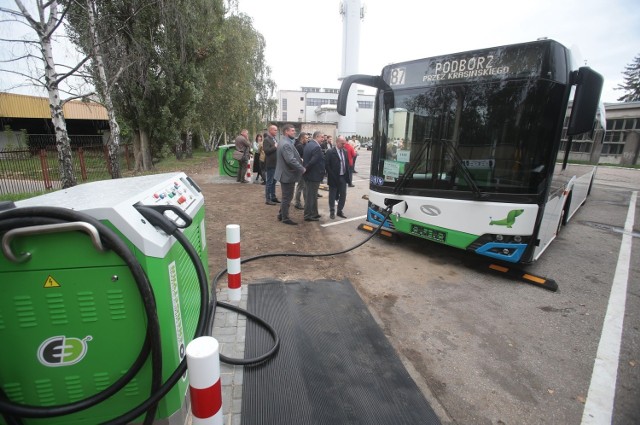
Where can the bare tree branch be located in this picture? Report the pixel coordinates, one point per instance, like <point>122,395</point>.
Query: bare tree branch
<point>73,70</point>
<point>78,96</point>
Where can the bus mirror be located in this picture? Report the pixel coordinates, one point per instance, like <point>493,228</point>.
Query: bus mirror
<point>365,80</point>
<point>585,102</point>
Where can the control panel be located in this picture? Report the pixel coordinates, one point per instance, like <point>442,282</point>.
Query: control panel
<point>115,200</point>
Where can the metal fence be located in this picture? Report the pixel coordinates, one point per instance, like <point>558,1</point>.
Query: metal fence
<point>36,168</point>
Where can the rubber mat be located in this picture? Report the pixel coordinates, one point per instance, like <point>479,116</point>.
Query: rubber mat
<point>334,366</point>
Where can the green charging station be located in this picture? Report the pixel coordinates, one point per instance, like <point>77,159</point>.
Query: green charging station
<point>227,165</point>
<point>72,320</point>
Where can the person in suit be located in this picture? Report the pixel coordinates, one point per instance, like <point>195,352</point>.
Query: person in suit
<point>314,163</point>
<point>288,170</point>
<point>338,176</point>
<point>300,144</point>
<point>351,155</point>
<point>269,146</point>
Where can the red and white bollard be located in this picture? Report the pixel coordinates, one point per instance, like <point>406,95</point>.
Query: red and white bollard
<point>205,387</point>
<point>249,173</point>
<point>234,281</point>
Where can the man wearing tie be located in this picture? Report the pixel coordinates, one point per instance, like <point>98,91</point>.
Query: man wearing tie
<point>338,176</point>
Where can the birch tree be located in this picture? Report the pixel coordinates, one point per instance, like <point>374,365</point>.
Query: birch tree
<point>48,20</point>
<point>114,139</point>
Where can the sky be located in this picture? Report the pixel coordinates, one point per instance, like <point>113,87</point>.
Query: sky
<point>304,37</point>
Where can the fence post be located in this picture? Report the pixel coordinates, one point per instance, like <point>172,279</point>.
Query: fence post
<point>45,169</point>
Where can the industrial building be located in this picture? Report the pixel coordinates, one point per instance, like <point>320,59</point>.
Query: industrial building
<point>314,108</point>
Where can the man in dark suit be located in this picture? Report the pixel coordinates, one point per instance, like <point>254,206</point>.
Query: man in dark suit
<point>270,145</point>
<point>314,163</point>
<point>338,176</point>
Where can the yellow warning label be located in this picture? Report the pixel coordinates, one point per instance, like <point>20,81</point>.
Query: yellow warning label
<point>51,283</point>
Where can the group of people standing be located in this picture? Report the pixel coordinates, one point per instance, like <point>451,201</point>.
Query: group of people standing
<point>305,162</point>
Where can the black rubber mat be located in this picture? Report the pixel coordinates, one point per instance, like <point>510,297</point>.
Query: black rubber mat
<point>335,366</point>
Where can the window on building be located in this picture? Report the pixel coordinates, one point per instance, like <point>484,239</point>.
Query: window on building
<point>284,104</point>
<point>612,149</point>
<point>629,124</point>
<point>320,102</point>
<point>615,137</point>
<point>365,104</point>
<point>284,116</point>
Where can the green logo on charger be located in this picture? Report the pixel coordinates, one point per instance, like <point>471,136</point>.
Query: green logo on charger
<point>62,351</point>
<point>509,220</point>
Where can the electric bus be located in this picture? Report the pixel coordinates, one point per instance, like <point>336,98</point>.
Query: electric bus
<point>465,147</point>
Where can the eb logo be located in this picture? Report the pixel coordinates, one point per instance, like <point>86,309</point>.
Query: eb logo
<point>62,351</point>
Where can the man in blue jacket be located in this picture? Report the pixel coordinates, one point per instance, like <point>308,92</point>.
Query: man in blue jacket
<point>288,171</point>
<point>314,164</point>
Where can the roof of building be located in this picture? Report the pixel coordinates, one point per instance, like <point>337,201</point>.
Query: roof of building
<point>622,105</point>
<point>22,106</point>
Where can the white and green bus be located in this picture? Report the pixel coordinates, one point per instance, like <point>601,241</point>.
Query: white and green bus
<point>465,147</point>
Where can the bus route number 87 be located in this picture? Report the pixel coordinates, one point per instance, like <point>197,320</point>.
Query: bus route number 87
<point>397,76</point>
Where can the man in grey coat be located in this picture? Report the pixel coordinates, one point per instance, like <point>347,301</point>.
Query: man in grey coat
<point>288,170</point>
<point>243,145</point>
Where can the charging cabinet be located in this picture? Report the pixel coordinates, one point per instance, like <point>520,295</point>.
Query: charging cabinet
<point>72,319</point>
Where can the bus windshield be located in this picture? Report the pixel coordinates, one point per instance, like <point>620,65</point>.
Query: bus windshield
<point>489,137</point>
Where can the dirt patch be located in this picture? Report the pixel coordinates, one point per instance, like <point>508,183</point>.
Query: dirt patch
<point>227,202</point>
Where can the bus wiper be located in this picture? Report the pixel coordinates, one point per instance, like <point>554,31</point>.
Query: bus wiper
<point>453,152</point>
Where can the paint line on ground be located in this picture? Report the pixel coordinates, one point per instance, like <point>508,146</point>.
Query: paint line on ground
<point>598,408</point>
<point>346,220</point>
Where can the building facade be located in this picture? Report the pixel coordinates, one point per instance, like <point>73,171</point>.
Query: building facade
<point>313,107</point>
<point>619,145</point>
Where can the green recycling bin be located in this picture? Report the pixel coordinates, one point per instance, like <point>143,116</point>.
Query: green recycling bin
<point>227,165</point>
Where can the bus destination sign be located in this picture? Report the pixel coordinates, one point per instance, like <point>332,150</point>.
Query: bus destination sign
<point>496,63</point>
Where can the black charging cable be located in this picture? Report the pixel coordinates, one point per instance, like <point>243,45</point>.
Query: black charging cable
<point>31,216</point>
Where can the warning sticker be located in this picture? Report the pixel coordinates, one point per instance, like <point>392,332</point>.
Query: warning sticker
<point>51,283</point>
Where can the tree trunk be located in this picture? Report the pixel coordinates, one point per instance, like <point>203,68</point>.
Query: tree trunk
<point>114,140</point>
<point>137,152</point>
<point>63,143</point>
<point>189,147</point>
<point>45,31</point>
<point>145,151</point>
<point>179,153</point>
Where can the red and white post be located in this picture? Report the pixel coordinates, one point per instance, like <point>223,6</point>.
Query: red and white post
<point>234,281</point>
<point>249,173</point>
<point>205,387</point>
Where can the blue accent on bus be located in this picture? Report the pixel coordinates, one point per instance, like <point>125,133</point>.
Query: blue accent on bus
<point>375,217</point>
<point>516,250</point>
